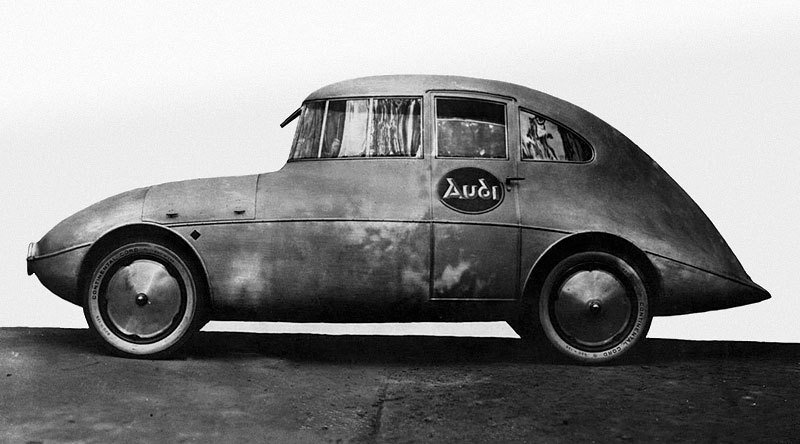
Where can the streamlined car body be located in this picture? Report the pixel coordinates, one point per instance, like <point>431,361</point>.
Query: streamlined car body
<point>407,198</point>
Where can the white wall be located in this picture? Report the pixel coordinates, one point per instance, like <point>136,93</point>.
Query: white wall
<point>97,98</point>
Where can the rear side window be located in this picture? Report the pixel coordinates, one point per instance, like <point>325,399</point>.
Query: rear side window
<point>379,127</point>
<point>546,140</point>
<point>470,128</point>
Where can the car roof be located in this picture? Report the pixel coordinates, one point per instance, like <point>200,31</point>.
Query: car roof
<point>417,85</point>
<point>413,85</point>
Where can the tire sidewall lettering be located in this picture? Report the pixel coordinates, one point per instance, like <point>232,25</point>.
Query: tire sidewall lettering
<point>632,337</point>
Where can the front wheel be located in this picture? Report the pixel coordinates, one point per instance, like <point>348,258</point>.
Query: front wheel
<point>143,299</point>
<point>594,307</point>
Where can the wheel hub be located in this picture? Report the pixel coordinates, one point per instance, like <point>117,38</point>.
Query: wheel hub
<point>143,299</point>
<point>592,307</point>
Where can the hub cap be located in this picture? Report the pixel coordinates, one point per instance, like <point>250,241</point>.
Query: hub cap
<point>592,307</point>
<point>143,299</point>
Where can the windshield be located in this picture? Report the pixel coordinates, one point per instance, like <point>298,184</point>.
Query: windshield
<point>378,127</point>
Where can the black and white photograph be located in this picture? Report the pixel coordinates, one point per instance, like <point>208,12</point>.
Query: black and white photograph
<point>415,222</point>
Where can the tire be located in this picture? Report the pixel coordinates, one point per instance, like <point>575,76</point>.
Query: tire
<point>144,300</point>
<point>593,307</point>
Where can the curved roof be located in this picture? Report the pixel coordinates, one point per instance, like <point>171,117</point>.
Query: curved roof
<point>417,85</point>
<point>598,132</point>
<point>414,85</point>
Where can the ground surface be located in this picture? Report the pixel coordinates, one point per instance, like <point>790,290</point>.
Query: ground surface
<point>57,386</point>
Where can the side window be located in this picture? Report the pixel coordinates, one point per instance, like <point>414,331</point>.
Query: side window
<point>395,127</point>
<point>346,129</point>
<point>380,127</point>
<point>545,140</point>
<point>470,128</point>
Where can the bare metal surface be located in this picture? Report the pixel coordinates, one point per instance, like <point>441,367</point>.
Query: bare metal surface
<point>221,198</point>
<point>237,387</point>
<point>313,268</point>
<point>693,290</point>
<point>374,188</point>
<point>142,299</point>
<point>90,223</point>
<point>338,236</point>
<point>592,307</point>
<point>59,273</point>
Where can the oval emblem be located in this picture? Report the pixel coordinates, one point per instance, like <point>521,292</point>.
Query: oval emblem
<point>470,190</point>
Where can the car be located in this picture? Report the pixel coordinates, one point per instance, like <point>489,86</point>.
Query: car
<point>407,198</point>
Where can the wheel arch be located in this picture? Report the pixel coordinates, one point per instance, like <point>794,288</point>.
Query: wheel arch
<point>592,241</point>
<point>117,235</point>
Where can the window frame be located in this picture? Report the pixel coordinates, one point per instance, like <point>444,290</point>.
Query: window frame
<point>451,96</point>
<point>593,152</point>
<point>420,151</point>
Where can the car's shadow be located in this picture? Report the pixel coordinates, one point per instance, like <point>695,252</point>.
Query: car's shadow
<point>440,349</point>
<point>360,349</point>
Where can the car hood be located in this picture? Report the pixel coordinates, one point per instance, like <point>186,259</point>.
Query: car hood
<point>87,225</point>
<point>198,200</point>
<point>201,200</point>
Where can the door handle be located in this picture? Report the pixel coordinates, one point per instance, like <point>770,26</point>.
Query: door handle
<point>510,181</point>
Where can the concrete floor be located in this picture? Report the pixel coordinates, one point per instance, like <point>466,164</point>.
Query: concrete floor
<point>58,386</point>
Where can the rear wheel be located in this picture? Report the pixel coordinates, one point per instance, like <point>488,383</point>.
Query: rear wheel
<point>593,307</point>
<point>144,299</point>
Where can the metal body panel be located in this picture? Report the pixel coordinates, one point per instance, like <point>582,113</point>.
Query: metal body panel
<point>331,238</point>
<point>346,189</point>
<point>221,198</point>
<point>370,239</point>
<point>60,252</point>
<point>475,262</point>
<point>476,255</point>
<point>623,192</point>
<point>534,243</point>
<point>59,273</point>
<point>687,289</point>
<point>299,270</point>
<point>87,225</point>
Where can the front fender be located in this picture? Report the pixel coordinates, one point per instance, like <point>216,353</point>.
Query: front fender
<point>57,257</point>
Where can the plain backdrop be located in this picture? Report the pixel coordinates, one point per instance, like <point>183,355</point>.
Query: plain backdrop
<point>100,97</point>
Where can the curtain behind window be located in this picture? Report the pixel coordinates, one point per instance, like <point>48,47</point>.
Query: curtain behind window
<point>355,130</point>
<point>396,127</point>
